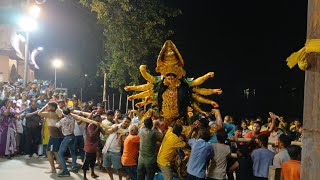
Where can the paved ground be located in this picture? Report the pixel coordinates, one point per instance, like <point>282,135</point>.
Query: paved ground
<point>19,168</point>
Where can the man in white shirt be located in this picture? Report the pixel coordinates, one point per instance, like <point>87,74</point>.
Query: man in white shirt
<point>274,136</point>
<point>112,148</point>
<point>67,124</point>
<point>23,100</point>
<point>79,129</point>
<point>218,164</point>
<point>283,155</point>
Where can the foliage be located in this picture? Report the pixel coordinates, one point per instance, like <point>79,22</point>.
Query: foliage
<point>133,31</point>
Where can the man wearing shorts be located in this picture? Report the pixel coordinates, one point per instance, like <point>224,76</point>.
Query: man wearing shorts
<point>112,148</point>
<point>54,133</point>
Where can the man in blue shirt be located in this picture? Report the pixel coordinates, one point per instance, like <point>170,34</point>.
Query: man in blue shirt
<point>229,128</point>
<point>33,93</point>
<point>262,158</point>
<point>201,152</point>
<point>42,100</point>
<point>32,133</point>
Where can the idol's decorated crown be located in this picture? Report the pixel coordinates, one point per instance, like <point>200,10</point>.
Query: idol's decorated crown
<point>170,61</point>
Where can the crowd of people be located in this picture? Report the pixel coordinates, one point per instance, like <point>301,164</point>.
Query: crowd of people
<point>37,122</point>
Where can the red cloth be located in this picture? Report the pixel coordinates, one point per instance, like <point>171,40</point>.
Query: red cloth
<point>251,134</point>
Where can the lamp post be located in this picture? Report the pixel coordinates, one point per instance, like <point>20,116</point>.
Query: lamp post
<point>28,24</point>
<point>84,88</point>
<point>26,60</point>
<point>56,64</point>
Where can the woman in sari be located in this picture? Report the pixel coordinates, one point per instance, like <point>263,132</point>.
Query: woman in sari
<point>7,129</point>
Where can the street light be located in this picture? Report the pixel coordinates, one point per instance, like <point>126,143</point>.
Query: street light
<point>84,84</point>
<point>34,11</point>
<point>56,63</point>
<point>28,24</point>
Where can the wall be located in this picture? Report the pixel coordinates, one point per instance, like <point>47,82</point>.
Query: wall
<point>4,67</point>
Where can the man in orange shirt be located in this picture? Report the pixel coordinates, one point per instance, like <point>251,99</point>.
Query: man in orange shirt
<point>130,154</point>
<point>290,170</point>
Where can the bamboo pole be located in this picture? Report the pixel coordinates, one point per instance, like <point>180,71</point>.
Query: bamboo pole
<point>127,104</point>
<point>104,98</point>
<point>104,126</point>
<point>113,102</point>
<point>269,142</point>
<point>108,103</point>
<point>85,114</point>
<point>120,102</point>
<point>87,120</point>
<point>132,104</point>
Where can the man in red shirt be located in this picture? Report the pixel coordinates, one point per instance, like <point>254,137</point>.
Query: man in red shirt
<point>257,127</point>
<point>91,146</point>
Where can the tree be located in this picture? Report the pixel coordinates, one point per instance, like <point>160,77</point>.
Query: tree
<point>133,31</point>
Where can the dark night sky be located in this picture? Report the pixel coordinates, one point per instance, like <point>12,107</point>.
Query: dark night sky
<point>244,42</point>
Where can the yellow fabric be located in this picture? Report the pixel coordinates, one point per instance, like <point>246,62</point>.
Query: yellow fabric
<point>186,130</point>
<point>283,126</point>
<point>70,103</point>
<point>171,142</point>
<point>45,133</point>
<point>312,45</point>
<point>292,127</point>
<point>263,128</point>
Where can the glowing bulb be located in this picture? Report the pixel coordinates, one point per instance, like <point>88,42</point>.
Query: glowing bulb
<point>57,63</point>
<point>34,11</point>
<point>27,24</point>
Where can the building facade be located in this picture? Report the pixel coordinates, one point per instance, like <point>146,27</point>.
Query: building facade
<point>12,48</point>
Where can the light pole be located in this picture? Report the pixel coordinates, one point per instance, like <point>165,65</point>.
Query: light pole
<point>26,60</point>
<point>84,88</point>
<point>28,24</point>
<point>56,64</point>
